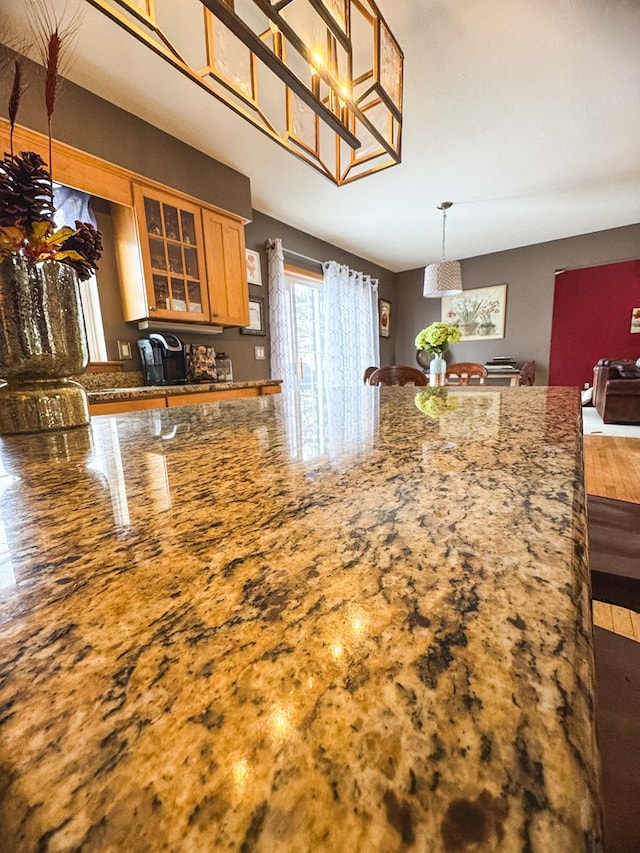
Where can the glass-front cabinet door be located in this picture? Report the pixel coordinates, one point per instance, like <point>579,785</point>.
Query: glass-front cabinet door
<point>173,256</point>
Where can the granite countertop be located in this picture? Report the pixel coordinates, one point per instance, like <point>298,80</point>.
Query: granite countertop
<point>105,395</point>
<point>279,624</point>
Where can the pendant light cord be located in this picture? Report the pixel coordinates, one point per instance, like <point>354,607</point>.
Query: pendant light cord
<point>444,220</point>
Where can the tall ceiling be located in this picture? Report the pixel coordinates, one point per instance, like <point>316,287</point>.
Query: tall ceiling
<point>524,113</point>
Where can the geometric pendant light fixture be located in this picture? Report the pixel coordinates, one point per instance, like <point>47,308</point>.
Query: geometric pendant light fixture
<point>444,278</point>
<point>323,78</point>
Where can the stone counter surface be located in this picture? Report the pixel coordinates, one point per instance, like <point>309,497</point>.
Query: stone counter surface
<point>112,395</point>
<point>278,624</point>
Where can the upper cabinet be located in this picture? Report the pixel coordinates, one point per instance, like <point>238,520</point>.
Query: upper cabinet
<point>193,262</point>
<point>172,249</point>
<point>224,255</point>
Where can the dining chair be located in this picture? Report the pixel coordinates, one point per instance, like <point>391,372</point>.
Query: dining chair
<point>463,371</point>
<point>397,375</point>
<point>527,374</point>
<point>367,373</point>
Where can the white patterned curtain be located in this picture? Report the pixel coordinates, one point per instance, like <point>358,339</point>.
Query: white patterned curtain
<point>281,322</point>
<point>350,324</point>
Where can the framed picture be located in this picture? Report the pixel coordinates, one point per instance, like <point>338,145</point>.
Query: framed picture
<point>384,315</point>
<point>256,317</point>
<point>479,313</point>
<point>635,321</point>
<point>252,260</point>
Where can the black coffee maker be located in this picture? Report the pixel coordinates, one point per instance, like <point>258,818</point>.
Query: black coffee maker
<point>163,360</point>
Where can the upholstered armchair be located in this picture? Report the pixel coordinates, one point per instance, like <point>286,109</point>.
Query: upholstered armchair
<point>616,390</point>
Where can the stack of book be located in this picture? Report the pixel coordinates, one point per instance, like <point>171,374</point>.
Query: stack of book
<point>502,363</point>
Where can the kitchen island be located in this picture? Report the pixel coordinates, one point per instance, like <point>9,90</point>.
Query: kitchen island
<point>357,623</point>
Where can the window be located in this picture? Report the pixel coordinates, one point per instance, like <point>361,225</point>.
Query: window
<point>309,425</point>
<point>72,205</point>
<point>307,298</point>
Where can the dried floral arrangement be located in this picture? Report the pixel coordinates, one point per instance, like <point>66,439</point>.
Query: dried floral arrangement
<point>27,211</point>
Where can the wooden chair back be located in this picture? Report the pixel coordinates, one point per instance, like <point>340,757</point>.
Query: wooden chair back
<point>527,373</point>
<point>367,373</point>
<point>463,371</point>
<point>397,375</point>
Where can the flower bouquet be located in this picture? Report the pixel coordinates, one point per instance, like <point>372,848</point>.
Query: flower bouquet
<point>437,337</point>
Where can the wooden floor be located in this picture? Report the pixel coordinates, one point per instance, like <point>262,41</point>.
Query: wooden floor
<point>612,467</point>
<point>617,619</point>
<point>612,470</point>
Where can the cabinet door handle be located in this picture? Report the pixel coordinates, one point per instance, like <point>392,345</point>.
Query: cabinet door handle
<point>152,307</point>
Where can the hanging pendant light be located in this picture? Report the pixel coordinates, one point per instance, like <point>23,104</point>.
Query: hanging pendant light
<point>444,278</point>
<point>323,78</point>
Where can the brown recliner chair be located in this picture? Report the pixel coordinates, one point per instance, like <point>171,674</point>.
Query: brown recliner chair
<point>616,390</point>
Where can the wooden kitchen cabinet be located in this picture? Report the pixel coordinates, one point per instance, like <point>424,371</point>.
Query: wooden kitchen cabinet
<point>193,262</point>
<point>172,247</point>
<point>212,396</point>
<point>133,404</point>
<point>224,253</point>
<point>116,407</point>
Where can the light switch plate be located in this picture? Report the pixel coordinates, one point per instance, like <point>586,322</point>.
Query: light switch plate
<point>124,350</point>
<point>259,353</point>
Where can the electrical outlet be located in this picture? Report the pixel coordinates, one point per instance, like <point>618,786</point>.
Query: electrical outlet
<point>259,353</point>
<point>124,350</point>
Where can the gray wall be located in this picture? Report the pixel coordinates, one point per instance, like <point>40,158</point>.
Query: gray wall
<point>91,124</point>
<point>264,227</point>
<point>529,273</point>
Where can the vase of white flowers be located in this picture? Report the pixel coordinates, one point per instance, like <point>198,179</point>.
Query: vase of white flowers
<point>435,339</point>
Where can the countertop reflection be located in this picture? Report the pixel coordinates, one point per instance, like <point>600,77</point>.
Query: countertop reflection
<point>356,622</point>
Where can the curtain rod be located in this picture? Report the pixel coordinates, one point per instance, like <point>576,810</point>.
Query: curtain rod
<point>268,244</point>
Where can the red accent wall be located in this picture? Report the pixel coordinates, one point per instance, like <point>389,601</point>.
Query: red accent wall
<point>592,320</point>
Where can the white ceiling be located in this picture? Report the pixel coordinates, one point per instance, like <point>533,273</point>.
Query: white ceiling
<point>524,113</point>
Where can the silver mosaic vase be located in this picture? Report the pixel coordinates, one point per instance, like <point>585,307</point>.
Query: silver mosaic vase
<point>42,343</point>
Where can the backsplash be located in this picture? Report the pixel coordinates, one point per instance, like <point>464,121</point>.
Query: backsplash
<point>101,381</point>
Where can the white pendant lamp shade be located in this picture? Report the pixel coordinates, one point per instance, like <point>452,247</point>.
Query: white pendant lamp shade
<point>444,278</point>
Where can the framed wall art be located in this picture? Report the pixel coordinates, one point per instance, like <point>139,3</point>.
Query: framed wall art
<point>252,260</point>
<point>256,317</point>
<point>479,313</point>
<point>384,316</point>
